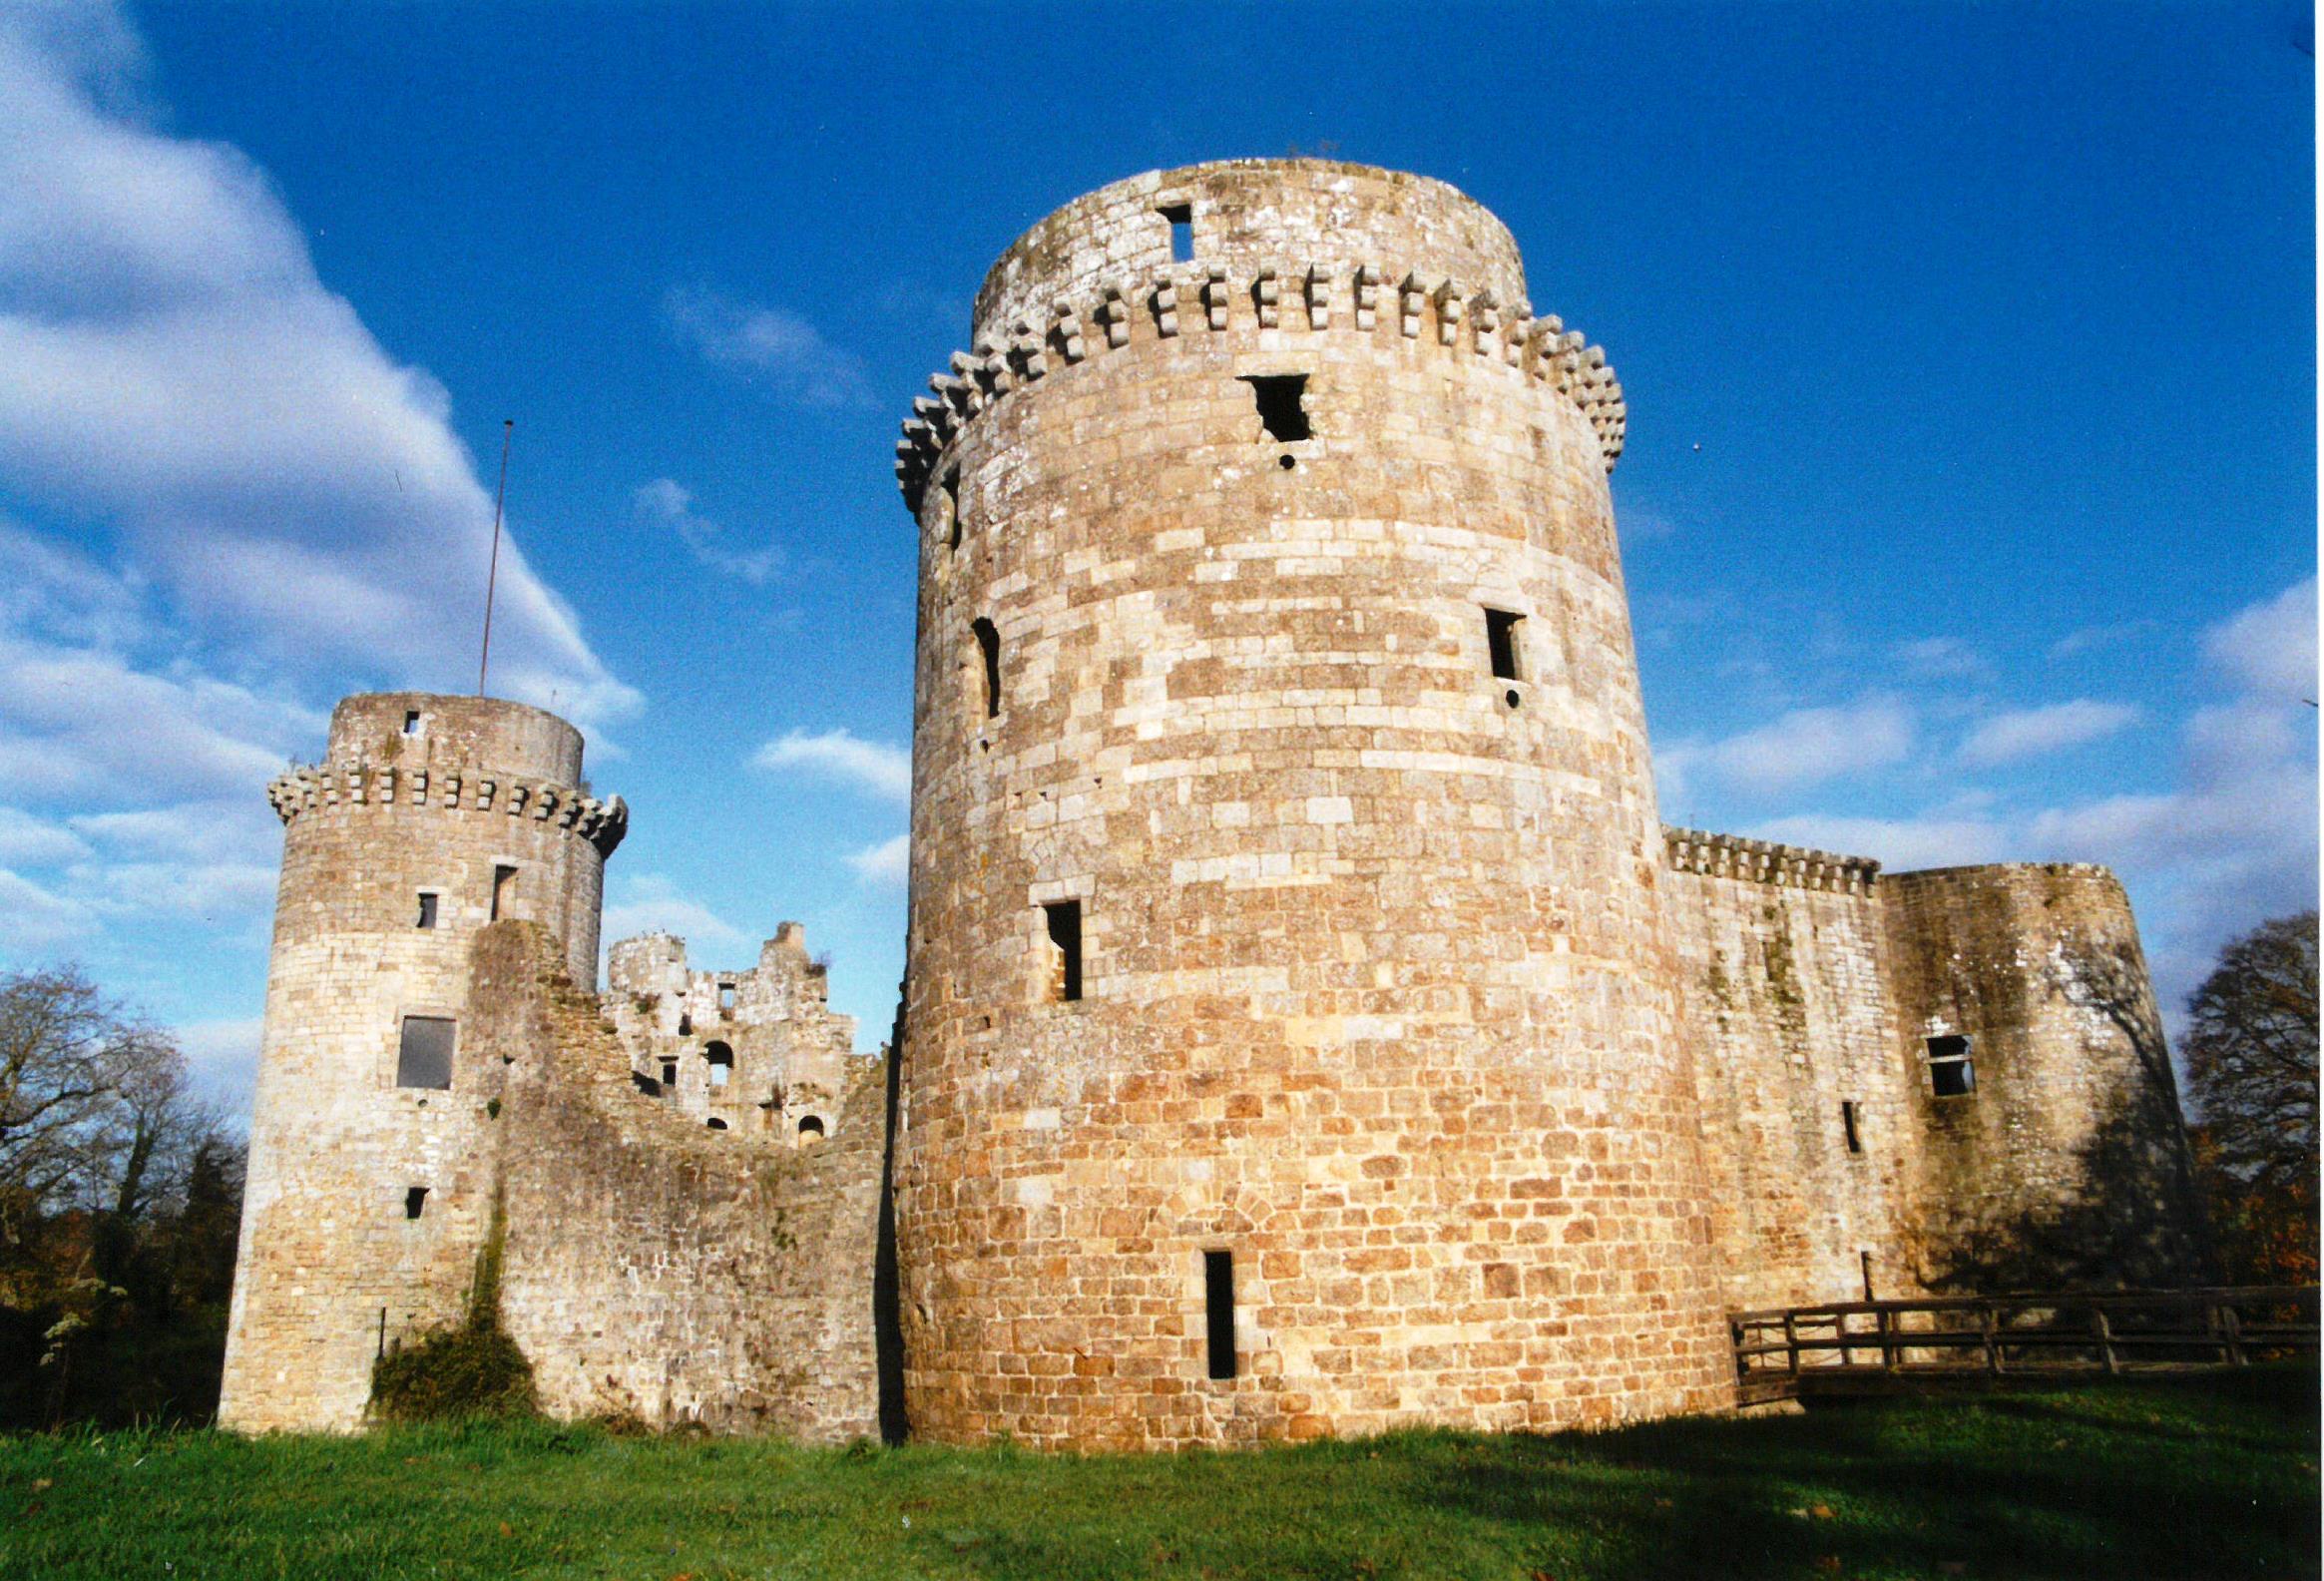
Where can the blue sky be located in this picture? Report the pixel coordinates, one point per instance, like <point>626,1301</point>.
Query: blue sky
<point>1969,504</point>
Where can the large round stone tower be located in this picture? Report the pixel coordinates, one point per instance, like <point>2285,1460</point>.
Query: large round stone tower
<point>370,1157</point>
<point>1290,1045</point>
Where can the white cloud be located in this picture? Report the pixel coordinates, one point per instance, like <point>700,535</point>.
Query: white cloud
<point>651,903</point>
<point>2029,733</point>
<point>888,863</point>
<point>84,724</point>
<point>35,919</point>
<point>778,348</point>
<point>876,766</point>
<point>1898,845</point>
<point>1806,746</point>
<point>1940,658</point>
<point>28,842</point>
<point>170,360</point>
<point>2269,648</point>
<point>224,1058</point>
<point>670,504</point>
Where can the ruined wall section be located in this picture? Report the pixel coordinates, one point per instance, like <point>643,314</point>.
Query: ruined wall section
<point>1781,953</point>
<point>787,1058</point>
<point>661,1271</point>
<point>418,794</point>
<point>2067,1165</point>
<point>1374,998</point>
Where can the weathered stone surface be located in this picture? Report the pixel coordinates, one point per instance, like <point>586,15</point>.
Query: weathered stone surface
<point>1390,982</point>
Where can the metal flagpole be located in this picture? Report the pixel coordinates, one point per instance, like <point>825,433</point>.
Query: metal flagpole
<point>492,575</point>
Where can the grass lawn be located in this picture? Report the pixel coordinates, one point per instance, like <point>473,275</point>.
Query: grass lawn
<point>2207,1476</point>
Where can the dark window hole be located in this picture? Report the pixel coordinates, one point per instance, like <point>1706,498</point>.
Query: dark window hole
<point>1280,402</point>
<point>1218,1308</point>
<point>1181,218</point>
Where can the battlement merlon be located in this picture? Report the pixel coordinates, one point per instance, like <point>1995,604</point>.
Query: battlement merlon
<point>1765,862</point>
<point>307,789</point>
<point>1426,310</point>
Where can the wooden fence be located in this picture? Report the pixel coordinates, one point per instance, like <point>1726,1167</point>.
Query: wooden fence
<point>1870,1346</point>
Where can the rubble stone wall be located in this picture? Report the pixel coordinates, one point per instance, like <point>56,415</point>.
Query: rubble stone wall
<point>1788,1007</point>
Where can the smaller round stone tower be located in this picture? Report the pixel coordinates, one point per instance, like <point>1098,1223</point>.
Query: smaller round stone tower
<point>2053,1154</point>
<point>369,1178</point>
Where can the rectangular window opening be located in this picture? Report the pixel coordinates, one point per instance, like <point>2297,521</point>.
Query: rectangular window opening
<point>988,638</point>
<point>423,1058</point>
<point>1279,397</point>
<point>1064,949</point>
<point>669,1076</point>
<point>427,911</point>
<point>1849,1123</point>
<point>1501,639</point>
<point>1181,222</point>
<point>1952,1073</point>
<point>952,504</point>
<point>411,722</point>
<point>415,1201</point>
<point>504,892</point>
<point>1864,1262</point>
<point>725,996</point>
<point>1218,1307</point>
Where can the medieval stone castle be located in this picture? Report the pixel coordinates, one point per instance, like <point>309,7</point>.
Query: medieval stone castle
<point>1308,1026</point>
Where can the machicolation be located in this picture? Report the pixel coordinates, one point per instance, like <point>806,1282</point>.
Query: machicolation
<point>1308,1025</point>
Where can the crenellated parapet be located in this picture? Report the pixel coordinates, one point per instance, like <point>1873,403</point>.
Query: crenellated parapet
<point>1765,862</point>
<point>307,789</point>
<point>1444,314</point>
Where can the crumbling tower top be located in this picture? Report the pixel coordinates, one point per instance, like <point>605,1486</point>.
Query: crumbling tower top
<point>1247,214</point>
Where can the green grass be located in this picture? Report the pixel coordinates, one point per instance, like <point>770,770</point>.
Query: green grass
<point>2210,1476</point>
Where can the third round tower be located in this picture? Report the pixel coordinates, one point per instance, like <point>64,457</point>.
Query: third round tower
<point>1291,1045</point>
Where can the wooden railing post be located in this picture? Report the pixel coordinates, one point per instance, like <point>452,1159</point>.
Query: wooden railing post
<point>2232,1327</point>
<point>1985,1323</point>
<point>1887,1339</point>
<point>1791,1342</point>
<point>2106,1334</point>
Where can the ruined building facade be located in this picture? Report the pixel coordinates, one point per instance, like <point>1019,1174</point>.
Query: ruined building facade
<point>1308,1026</point>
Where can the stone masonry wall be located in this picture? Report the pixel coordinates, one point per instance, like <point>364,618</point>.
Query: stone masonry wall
<point>2068,1166</point>
<point>1374,997</point>
<point>333,1262</point>
<point>660,1269</point>
<point>1781,961</point>
<point>787,1058</point>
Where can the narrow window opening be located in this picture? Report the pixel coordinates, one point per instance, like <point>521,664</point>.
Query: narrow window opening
<point>669,1076</point>
<point>1064,949</point>
<point>1181,222</point>
<point>722,1060</point>
<point>415,1201</point>
<point>427,911</point>
<point>951,503</point>
<point>504,892</point>
<point>725,996</point>
<point>1864,1262</point>
<point>411,722</point>
<point>1952,1073</point>
<point>1279,398</point>
<point>423,1057</point>
<point>1850,1124</point>
<point>1218,1307</point>
<point>811,1125</point>
<point>685,1023</point>
<point>989,644</point>
<point>1502,641</point>
<point>713,1123</point>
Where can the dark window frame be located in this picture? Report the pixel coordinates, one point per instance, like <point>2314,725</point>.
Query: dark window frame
<point>416,1060</point>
